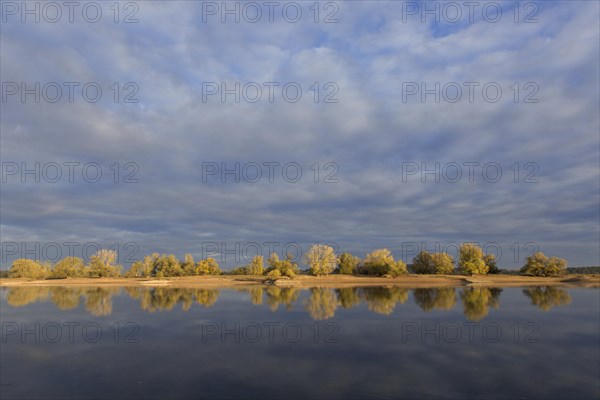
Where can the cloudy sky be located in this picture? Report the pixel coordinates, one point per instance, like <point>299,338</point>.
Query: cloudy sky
<point>505,107</point>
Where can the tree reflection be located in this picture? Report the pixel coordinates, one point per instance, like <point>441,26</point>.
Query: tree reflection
<point>382,300</point>
<point>166,298</point>
<point>281,296</point>
<point>348,297</point>
<point>22,296</point>
<point>440,298</point>
<point>206,297</point>
<point>99,300</point>
<point>322,303</point>
<point>477,301</point>
<point>547,297</point>
<point>256,295</point>
<point>66,298</point>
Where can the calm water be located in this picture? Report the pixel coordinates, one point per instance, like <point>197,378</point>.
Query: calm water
<point>283,342</point>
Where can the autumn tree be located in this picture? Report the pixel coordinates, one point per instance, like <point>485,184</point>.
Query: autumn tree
<point>381,262</point>
<point>167,266</point>
<point>348,264</point>
<point>540,265</point>
<point>423,263</point>
<point>285,267</point>
<point>433,263</point>
<point>30,269</point>
<point>143,268</point>
<point>188,266</point>
<point>470,259</point>
<point>208,266</point>
<point>443,263</point>
<point>256,266</point>
<point>321,259</point>
<point>104,264</point>
<point>490,262</point>
<point>69,267</point>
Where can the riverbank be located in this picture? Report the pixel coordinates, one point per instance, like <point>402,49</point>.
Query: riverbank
<point>306,281</point>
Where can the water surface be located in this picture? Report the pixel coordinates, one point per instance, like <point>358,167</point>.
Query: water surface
<point>272,342</point>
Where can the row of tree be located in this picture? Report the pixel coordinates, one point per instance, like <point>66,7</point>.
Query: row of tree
<point>102,264</point>
<point>321,260</point>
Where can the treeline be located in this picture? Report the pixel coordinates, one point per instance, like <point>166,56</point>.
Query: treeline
<point>584,270</point>
<point>320,303</point>
<point>102,264</point>
<point>321,260</point>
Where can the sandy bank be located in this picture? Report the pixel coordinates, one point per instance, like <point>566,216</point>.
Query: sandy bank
<point>408,281</point>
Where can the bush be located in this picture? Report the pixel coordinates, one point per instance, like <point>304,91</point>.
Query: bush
<point>443,263</point>
<point>274,275</point>
<point>423,263</point>
<point>285,267</point>
<point>103,264</point>
<point>69,267</point>
<point>348,264</point>
<point>381,262</point>
<point>208,267</point>
<point>30,269</point>
<point>540,265</point>
<point>321,259</point>
<point>470,260</point>
<point>490,262</point>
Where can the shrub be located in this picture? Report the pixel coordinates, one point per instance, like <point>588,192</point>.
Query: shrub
<point>381,262</point>
<point>30,269</point>
<point>540,265</point>
<point>285,267</point>
<point>470,259</point>
<point>321,259</point>
<point>69,267</point>
<point>348,264</point>
<point>274,275</point>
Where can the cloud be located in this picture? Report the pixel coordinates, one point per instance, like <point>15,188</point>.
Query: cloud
<point>369,133</point>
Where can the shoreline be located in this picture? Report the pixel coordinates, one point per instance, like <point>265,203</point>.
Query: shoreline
<point>308,281</point>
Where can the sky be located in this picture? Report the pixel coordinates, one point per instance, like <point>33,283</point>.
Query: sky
<point>172,127</point>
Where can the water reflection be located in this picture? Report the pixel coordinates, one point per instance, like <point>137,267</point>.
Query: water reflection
<point>382,300</point>
<point>477,301</point>
<point>547,297</point>
<point>320,303</point>
<point>98,300</point>
<point>165,299</point>
<point>440,298</point>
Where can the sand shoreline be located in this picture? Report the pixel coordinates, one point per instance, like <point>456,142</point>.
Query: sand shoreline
<point>305,281</point>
